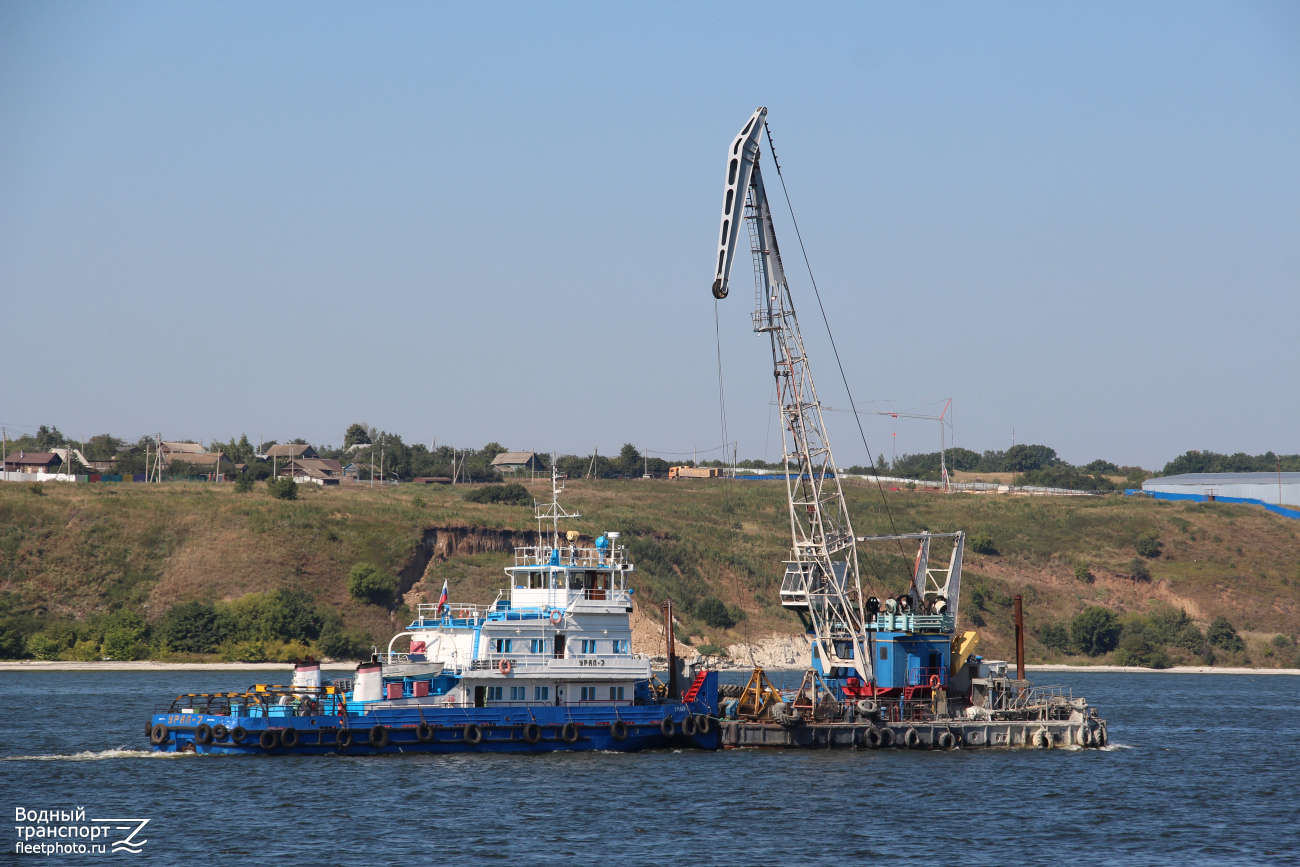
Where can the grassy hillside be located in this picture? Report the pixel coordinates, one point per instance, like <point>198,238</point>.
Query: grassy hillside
<point>81,563</point>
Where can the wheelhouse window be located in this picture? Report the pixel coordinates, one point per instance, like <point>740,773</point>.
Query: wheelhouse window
<point>503,645</point>
<point>537,581</point>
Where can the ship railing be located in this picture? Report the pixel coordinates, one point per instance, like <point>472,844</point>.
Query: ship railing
<point>262,701</point>
<point>570,555</point>
<point>456,610</point>
<point>539,661</point>
<point>921,676</point>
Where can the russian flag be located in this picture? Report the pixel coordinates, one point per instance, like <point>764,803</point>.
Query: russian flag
<point>442,600</point>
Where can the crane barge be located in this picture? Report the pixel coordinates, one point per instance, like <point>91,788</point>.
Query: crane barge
<point>883,672</point>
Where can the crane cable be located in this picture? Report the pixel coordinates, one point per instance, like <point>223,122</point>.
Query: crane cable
<point>843,377</point>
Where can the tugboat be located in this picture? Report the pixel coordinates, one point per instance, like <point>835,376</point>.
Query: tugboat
<point>891,671</point>
<point>546,666</point>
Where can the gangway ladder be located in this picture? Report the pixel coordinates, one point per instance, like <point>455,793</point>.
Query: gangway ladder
<point>693,693</point>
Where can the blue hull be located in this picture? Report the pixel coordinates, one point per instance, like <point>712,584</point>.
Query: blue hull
<point>499,730</point>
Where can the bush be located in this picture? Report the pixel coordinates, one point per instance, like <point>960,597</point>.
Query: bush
<point>244,483</point>
<point>513,494</point>
<point>36,488</point>
<point>982,543</point>
<point>1139,570</point>
<point>366,583</point>
<point>85,651</point>
<point>190,627</point>
<point>1222,634</point>
<point>1095,631</point>
<point>337,642</point>
<point>712,612</point>
<point>1281,642</point>
<point>43,645</point>
<point>1190,638</point>
<point>711,650</point>
<point>283,488</point>
<point>1148,545</point>
<point>1139,647</point>
<point>418,502</point>
<point>1056,636</point>
<point>1083,572</point>
<point>123,643</point>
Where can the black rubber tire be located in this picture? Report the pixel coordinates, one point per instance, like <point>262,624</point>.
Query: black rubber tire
<point>886,737</point>
<point>343,739</point>
<point>532,733</point>
<point>238,733</point>
<point>666,727</point>
<point>871,738</point>
<point>947,741</point>
<point>268,740</point>
<point>159,734</point>
<point>688,726</point>
<point>473,734</point>
<point>289,738</point>
<point>703,724</point>
<point>148,729</point>
<point>203,734</point>
<point>569,734</point>
<point>912,739</point>
<point>378,737</point>
<point>618,730</point>
<point>220,732</point>
<point>424,733</point>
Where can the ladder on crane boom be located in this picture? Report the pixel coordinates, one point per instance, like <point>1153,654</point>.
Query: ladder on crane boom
<point>822,581</point>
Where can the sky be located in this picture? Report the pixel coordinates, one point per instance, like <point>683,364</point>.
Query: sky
<point>496,222</point>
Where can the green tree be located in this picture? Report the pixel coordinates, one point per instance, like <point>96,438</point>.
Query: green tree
<point>357,434</point>
<point>1190,638</point>
<point>123,643</point>
<point>1148,545</point>
<point>1056,636</point>
<point>190,627</point>
<point>1083,572</point>
<point>982,543</point>
<point>366,583</point>
<point>1139,647</point>
<point>712,612</point>
<point>1095,630</point>
<point>1139,570</point>
<point>1223,634</point>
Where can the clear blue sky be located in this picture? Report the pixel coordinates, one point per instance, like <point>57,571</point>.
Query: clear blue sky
<point>477,222</point>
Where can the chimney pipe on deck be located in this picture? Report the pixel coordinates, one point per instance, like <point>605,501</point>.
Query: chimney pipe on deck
<point>1020,638</point>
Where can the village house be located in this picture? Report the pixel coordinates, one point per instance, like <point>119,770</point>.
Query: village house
<point>290,450</point>
<point>316,471</point>
<point>32,462</point>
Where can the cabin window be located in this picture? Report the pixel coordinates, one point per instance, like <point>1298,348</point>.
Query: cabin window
<point>518,693</point>
<point>494,693</point>
<point>503,645</point>
<point>588,693</point>
<point>616,693</point>
<point>588,645</point>
<point>541,693</point>
<point>537,645</point>
<point>884,652</point>
<point>620,645</point>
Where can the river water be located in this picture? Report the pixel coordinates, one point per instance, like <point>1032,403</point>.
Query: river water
<point>1202,769</point>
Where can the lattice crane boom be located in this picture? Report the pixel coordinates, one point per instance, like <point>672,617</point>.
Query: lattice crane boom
<point>821,579</point>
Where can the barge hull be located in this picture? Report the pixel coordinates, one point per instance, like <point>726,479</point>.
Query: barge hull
<point>966,734</point>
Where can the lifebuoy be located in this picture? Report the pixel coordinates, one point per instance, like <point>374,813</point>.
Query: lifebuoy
<point>473,734</point>
<point>268,740</point>
<point>238,733</point>
<point>203,734</point>
<point>666,727</point>
<point>618,730</point>
<point>424,733</point>
<point>532,733</point>
<point>557,617</point>
<point>158,734</point>
<point>871,737</point>
<point>378,737</point>
<point>947,741</point>
<point>343,739</point>
<point>569,734</point>
<point>504,666</point>
<point>934,681</point>
<point>912,738</point>
<point>219,732</point>
<point>688,726</point>
<point>289,738</point>
<point>703,724</point>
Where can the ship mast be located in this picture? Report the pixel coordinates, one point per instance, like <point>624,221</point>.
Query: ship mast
<point>552,511</point>
<point>822,581</point>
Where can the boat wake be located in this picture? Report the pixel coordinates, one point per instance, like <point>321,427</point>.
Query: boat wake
<point>99,755</point>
